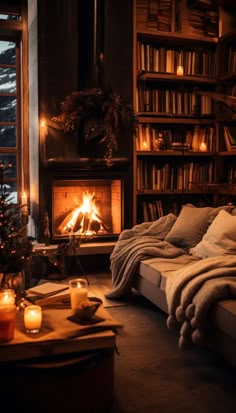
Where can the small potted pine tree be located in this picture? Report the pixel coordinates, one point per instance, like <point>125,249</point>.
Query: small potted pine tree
<point>15,247</point>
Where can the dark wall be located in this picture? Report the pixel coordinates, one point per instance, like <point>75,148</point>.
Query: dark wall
<point>58,52</point>
<point>71,35</point>
<point>118,46</point>
<point>69,42</point>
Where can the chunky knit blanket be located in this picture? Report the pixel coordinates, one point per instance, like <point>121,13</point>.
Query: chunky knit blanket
<point>143,241</point>
<point>191,292</point>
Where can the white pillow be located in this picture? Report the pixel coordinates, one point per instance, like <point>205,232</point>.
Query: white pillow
<point>220,238</point>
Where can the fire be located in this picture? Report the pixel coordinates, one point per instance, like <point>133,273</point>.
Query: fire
<point>84,219</point>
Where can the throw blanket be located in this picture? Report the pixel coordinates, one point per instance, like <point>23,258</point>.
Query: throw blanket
<point>191,292</point>
<point>138,243</point>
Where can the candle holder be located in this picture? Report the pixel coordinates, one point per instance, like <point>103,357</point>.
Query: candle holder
<point>24,218</point>
<point>33,318</point>
<point>7,321</point>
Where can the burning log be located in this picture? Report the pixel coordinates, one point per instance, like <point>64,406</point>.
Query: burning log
<point>102,222</point>
<point>95,226</point>
<point>78,225</point>
<point>86,222</point>
<point>68,222</point>
<point>84,219</point>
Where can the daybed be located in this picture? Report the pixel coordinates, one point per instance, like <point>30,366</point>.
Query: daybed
<point>185,265</point>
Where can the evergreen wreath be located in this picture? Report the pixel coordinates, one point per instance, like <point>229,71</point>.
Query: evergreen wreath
<point>102,115</point>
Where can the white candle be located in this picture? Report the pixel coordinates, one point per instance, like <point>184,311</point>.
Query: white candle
<point>180,71</point>
<point>144,145</point>
<point>77,296</point>
<point>203,147</point>
<point>7,297</point>
<point>24,203</point>
<point>33,318</point>
<point>78,292</point>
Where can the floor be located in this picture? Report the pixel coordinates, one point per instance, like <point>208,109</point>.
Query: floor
<point>151,374</point>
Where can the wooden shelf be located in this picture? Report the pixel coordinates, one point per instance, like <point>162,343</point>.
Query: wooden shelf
<point>172,152</point>
<point>172,77</point>
<point>170,192</point>
<point>176,38</point>
<point>153,117</point>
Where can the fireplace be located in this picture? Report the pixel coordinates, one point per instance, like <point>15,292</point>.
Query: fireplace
<point>86,199</point>
<point>86,207</point>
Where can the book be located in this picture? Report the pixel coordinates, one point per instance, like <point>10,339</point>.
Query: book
<point>231,132</point>
<point>48,288</point>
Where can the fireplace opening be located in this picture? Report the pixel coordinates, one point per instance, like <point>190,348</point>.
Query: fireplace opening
<point>89,208</point>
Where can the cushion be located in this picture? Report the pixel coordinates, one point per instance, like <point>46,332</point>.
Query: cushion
<point>220,238</point>
<point>191,225</point>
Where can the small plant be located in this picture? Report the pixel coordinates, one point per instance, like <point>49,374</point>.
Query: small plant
<point>102,115</point>
<point>15,248</point>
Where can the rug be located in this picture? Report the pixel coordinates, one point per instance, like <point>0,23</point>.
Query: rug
<point>152,375</point>
<point>99,286</point>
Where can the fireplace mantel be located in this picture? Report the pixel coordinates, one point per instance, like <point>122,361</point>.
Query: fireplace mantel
<point>86,163</point>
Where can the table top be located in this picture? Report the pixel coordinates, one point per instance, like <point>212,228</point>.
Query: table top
<point>59,335</point>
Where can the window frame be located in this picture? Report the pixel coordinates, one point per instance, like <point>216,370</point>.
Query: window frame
<point>16,31</point>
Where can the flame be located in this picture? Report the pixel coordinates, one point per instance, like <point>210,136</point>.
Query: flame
<point>86,217</point>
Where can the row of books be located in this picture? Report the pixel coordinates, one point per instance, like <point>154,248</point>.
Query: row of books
<point>154,209</point>
<point>230,137</point>
<point>160,14</point>
<point>151,211</point>
<point>195,138</point>
<point>231,61</point>
<point>232,175</point>
<point>170,16</point>
<point>204,17</point>
<point>174,177</point>
<point>165,60</point>
<point>230,90</point>
<point>173,101</point>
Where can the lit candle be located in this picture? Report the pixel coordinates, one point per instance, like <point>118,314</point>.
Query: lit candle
<point>7,297</point>
<point>203,147</point>
<point>78,292</point>
<point>7,321</point>
<point>145,145</point>
<point>180,71</point>
<point>33,318</point>
<point>24,203</point>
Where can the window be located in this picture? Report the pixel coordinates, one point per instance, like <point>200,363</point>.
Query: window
<point>11,103</point>
<point>9,133</point>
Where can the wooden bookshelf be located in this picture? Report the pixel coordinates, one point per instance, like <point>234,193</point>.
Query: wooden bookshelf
<point>168,106</point>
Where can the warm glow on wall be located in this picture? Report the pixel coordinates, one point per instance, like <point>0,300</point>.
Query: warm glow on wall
<point>24,202</point>
<point>43,128</point>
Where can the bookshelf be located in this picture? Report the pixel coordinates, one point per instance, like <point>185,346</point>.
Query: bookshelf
<point>178,141</point>
<point>226,110</point>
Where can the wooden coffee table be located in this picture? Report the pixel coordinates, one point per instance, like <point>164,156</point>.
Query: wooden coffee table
<point>63,368</point>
